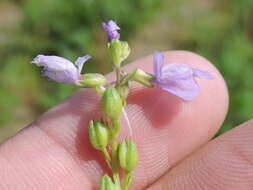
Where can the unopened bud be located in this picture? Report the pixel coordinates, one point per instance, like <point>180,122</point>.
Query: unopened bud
<point>119,51</point>
<point>112,103</point>
<point>128,155</point>
<point>123,90</point>
<point>125,50</point>
<point>107,184</point>
<point>92,80</point>
<point>98,134</point>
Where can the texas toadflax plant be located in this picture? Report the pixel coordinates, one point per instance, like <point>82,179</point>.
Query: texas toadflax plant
<point>177,79</point>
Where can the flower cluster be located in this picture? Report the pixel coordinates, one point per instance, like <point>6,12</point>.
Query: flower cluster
<point>177,79</point>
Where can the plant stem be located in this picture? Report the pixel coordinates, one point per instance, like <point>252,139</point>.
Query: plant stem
<point>128,180</point>
<point>126,78</point>
<point>116,179</point>
<point>107,157</point>
<point>114,162</point>
<point>115,131</point>
<point>118,77</point>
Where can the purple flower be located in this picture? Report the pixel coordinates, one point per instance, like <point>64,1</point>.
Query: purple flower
<point>60,69</point>
<point>178,79</point>
<point>111,28</point>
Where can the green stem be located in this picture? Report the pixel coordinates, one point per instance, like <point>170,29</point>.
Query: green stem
<point>114,162</point>
<point>116,179</point>
<point>128,181</point>
<point>116,128</point>
<point>128,77</point>
<point>114,131</point>
<point>118,77</point>
<point>140,78</point>
<point>107,157</point>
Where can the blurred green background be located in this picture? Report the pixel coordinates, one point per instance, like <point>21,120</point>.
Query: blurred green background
<point>220,30</point>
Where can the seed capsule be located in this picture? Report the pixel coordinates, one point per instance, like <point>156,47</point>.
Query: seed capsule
<point>128,155</point>
<point>98,134</point>
<point>112,103</point>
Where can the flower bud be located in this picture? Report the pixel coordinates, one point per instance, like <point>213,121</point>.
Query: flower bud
<point>98,134</point>
<point>107,184</point>
<point>127,154</point>
<point>142,77</point>
<point>125,50</point>
<point>112,103</point>
<point>111,28</point>
<point>123,91</point>
<point>119,51</point>
<point>92,80</point>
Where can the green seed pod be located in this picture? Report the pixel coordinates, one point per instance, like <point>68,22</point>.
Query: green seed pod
<point>112,103</point>
<point>107,184</point>
<point>98,134</point>
<point>128,155</point>
<point>92,80</point>
<point>118,51</point>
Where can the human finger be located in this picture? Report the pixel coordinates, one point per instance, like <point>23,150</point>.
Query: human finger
<point>225,163</point>
<point>56,147</point>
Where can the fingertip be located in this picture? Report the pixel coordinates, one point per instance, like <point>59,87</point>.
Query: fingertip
<point>224,163</point>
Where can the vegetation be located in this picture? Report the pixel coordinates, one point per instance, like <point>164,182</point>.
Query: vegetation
<point>220,30</point>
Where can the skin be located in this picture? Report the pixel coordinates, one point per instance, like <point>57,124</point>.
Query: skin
<point>173,138</point>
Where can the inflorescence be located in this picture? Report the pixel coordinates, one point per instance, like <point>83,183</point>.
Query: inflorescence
<point>177,79</point>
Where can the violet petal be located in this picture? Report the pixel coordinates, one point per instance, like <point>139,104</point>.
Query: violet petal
<point>57,68</point>
<point>175,71</point>
<point>53,62</point>
<point>80,61</point>
<point>187,89</point>
<point>202,74</point>
<point>158,63</point>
